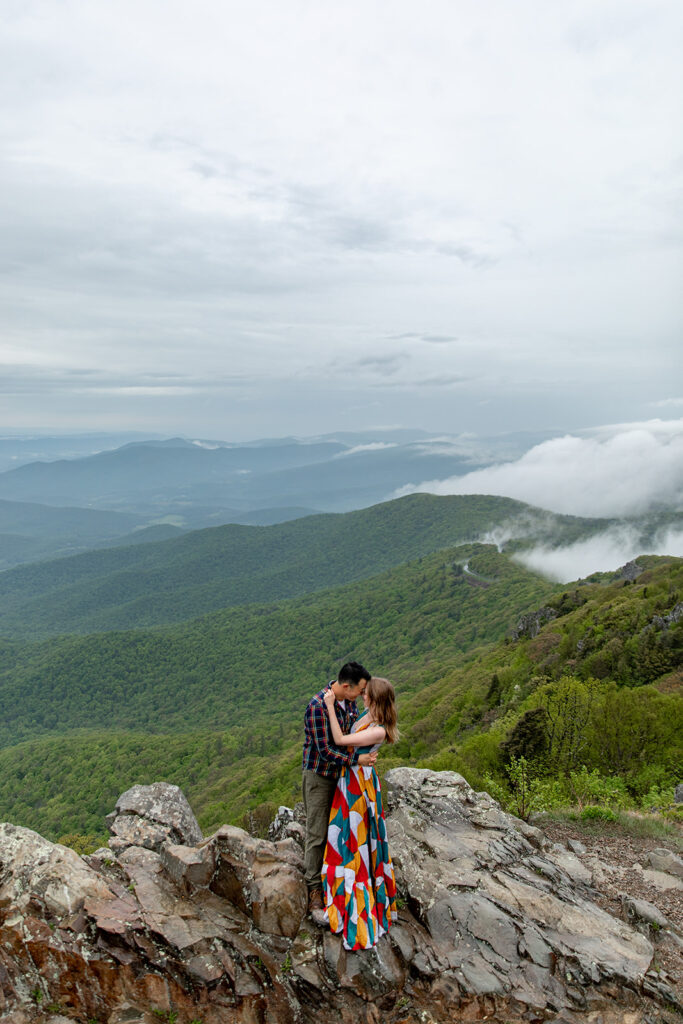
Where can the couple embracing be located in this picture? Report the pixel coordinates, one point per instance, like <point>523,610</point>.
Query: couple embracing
<point>349,873</point>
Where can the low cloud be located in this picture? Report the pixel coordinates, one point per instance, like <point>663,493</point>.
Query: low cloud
<point>620,471</point>
<point>666,403</point>
<point>603,552</point>
<point>374,446</point>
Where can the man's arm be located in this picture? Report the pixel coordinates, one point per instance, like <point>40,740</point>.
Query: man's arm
<point>316,723</point>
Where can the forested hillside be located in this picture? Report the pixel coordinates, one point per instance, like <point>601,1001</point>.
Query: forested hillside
<point>30,532</point>
<point>183,578</point>
<point>254,665</point>
<point>589,689</point>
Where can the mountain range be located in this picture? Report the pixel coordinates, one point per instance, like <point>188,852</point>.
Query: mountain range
<point>204,570</point>
<point>166,651</point>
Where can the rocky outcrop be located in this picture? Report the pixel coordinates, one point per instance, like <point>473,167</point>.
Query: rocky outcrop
<point>151,817</point>
<point>530,625</point>
<point>495,923</point>
<point>631,571</point>
<point>664,621</point>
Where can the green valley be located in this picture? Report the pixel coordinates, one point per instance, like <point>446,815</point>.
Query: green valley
<point>588,693</point>
<point>205,570</point>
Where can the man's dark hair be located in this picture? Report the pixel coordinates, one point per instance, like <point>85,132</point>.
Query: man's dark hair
<point>352,672</point>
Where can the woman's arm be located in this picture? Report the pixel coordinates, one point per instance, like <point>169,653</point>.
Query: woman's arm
<point>365,738</point>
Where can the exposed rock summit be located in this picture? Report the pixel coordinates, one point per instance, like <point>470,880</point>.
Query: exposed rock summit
<point>495,923</point>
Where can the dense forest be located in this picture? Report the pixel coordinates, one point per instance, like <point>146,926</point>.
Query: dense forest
<point>579,701</point>
<point>206,570</point>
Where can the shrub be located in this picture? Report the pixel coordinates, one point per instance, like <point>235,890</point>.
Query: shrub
<point>593,813</point>
<point>82,844</point>
<point>657,798</point>
<point>529,736</point>
<point>527,787</point>
<point>596,789</point>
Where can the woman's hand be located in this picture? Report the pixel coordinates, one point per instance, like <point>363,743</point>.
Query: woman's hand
<point>329,698</point>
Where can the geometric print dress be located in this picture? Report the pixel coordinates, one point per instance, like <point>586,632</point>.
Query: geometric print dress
<point>358,878</point>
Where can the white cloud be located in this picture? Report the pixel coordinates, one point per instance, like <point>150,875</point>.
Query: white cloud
<point>667,403</point>
<point>625,470</point>
<point>603,552</point>
<point>373,446</point>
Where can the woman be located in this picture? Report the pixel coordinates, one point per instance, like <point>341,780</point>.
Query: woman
<point>358,877</point>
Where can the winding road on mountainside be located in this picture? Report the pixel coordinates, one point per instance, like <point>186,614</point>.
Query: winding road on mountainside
<point>475,577</point>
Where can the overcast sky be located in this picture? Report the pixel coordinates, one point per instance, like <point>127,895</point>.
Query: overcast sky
<point>239,220</point>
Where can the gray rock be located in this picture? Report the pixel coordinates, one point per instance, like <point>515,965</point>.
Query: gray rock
<point>190,867</point>
<point>530,625</point>
<point>678,793</point>
<point>640,911</point>
<point>665,860</point>
<point>478,884</point>
<point>130,830</point>
<point>33,868</point>
<point>263,879</point>
<point>630,571</point>
<point>493,923</point>
<point>664,621</point>
<point>164,805</point>
<point>576,847</point>
<point>285,825</point>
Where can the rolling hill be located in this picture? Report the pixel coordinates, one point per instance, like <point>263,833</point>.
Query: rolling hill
<point>215,706</point>
<point>202,571</point>
<point>31,532</point>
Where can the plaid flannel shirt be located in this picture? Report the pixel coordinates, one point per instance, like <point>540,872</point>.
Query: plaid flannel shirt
<point>321,754</point>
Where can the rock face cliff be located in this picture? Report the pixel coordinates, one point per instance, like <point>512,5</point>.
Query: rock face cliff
<point>495,924</point>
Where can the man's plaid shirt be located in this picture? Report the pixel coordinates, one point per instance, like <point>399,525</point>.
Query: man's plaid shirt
<point>321,755</point>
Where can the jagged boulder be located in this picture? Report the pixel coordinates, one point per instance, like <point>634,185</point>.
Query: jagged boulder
<point>495,923</point>
<point>151,816</point>
<point>263,879</point>
<point>631,571</point>
<point>289,823</point>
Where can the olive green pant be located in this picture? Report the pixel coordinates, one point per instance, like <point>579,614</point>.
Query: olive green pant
<point>318,791</point>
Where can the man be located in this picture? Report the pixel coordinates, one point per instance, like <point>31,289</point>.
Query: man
<point>323,762</point>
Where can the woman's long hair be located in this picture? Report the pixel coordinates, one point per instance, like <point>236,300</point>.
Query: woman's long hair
<point>382,705</point>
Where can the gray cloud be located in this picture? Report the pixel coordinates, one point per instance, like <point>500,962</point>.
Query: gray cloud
<point>264,195</point>
<point>34,380</point>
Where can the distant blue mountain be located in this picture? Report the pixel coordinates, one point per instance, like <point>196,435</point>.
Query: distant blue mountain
<point>178,477</point>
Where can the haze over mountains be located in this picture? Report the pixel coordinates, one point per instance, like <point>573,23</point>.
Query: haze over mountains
<point>156,488</point>
<point>178,477</point>
<point>177,484</point>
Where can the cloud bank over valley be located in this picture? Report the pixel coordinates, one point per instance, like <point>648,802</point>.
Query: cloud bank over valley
<point>604,552</point>
<point>614,472</point>
<point>621,470</point>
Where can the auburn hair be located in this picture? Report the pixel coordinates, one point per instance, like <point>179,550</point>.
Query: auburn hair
<point>382,705</point>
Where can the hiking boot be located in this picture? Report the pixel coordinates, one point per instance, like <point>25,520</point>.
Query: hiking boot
<point>315,900</point>
<point>316,909</point>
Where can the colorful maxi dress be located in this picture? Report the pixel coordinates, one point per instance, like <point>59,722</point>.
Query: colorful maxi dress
<point>357,874</point>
